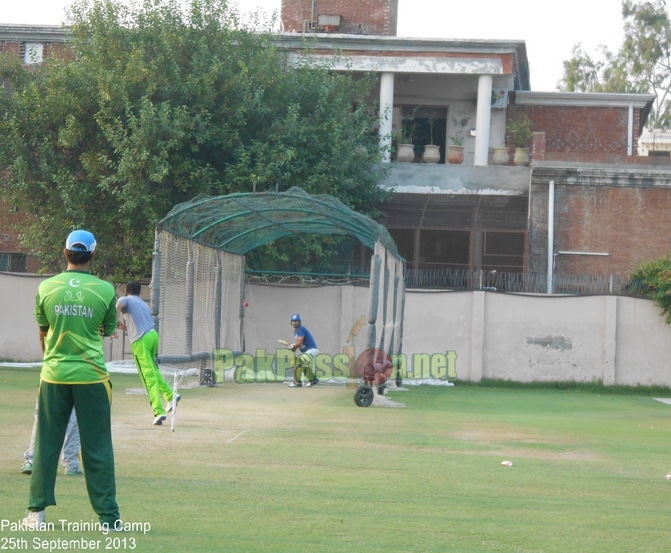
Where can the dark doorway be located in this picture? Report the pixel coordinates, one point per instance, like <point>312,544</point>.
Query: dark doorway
<point>430,126</point>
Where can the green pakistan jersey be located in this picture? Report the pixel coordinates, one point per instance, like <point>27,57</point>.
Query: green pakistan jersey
<point>75,306</point>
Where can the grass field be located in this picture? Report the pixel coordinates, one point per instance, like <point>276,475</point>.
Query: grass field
<point>311,472</point>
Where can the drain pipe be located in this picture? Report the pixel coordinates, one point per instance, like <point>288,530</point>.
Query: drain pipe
<point>551,232</point>
<point>630,131</point>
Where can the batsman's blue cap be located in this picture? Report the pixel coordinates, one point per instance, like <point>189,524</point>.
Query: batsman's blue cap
<point>80,241</point>
<point>295,317</point>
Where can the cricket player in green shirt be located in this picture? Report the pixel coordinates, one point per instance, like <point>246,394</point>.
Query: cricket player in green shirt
<point>74,310</point>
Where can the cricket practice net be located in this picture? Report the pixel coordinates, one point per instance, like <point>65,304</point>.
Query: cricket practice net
<point>199,261</point>
<point>200,293</point>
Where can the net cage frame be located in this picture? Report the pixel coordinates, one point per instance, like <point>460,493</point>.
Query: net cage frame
<point>199,255</point>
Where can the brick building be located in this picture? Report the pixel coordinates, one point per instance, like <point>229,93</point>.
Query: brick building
<point>608,200</point>
<point>357,17</point>
<point>33,44</point>
<point>476,214</point>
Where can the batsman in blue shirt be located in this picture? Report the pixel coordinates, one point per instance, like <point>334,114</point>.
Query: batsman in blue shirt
<point>305,350</point>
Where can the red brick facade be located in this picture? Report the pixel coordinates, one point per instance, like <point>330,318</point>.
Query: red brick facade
<point>630,224</point>
<point>11,222</point>
<point>365,17</point>
<point>583,134</point>
<point>13,47</point>
<point>57,49</point>
<point>625,216</point>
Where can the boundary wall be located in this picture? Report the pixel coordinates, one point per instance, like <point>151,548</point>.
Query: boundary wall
<point>609,339</point>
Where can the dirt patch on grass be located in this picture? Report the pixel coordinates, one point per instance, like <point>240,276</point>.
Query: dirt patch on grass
<point>219,414</point>
<point>510,442</point>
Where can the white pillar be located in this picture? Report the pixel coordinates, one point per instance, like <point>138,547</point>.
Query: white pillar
<point>483,121</point>
<point>551,234</point>
<point>386,112</point>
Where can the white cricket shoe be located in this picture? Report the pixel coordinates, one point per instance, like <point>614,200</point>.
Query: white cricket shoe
<point>34,519</point>
<point>158,421</point>
<point>168,408</point>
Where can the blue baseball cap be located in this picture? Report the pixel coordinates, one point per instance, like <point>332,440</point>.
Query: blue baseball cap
<point>80,241</point>
<point>295,317</point>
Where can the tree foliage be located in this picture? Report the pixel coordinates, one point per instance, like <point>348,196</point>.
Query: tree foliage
<point>641,65</point>
<point>160,102</point>
<point>653,280</point>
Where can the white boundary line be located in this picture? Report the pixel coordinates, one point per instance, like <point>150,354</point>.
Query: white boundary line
<point>236,437</point>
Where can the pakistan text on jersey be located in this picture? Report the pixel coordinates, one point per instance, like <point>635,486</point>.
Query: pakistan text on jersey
<point>74,310</point>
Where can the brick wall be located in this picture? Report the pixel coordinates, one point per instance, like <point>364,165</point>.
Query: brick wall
<point>13,47</point>
<point>11,222</point>
<point>58,49</point>
<point>630,223</point>
<point>369,17</point>
<point>583,134</point>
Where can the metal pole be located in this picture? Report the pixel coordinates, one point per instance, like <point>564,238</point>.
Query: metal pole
<point>630,131</point>
<point>155,286</point>
<point>189,292</point>
<point>217,300</point>
<point>551,231</point>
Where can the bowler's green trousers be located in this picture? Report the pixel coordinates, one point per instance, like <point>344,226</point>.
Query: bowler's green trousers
<point>92,403</point>
<point>144,353</point>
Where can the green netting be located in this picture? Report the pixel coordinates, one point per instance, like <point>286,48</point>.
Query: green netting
<point>238,223</point>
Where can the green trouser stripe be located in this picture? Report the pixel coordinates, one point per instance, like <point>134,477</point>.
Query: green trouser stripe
<point>144,353</point>
<point>92,403</point>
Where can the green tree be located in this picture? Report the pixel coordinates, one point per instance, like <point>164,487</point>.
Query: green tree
<point>653,280</point>
<point>160,102</point>
<point>641,65</point>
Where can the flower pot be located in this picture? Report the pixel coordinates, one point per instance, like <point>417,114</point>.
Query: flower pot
<point>522,156</point>
<point>431,154</point>
<point>406,153</point>
<point>501,156</point>
<point>455,155</point>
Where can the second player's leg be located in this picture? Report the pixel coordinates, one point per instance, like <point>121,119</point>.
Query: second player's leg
<point>54,407</point>
<point>69,457</point>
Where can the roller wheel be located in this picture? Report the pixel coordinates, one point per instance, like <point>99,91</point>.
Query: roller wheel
<point>363,396</point>
<point>207,377</point>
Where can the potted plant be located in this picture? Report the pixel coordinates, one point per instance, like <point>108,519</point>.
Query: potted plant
<point>406,150</point>
<point>521,134</point>
<point>431,151</point>
<point>455,154</point>
<point>501,155</point>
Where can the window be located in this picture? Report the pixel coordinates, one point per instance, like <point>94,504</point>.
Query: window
<point>444,249</point>
<point>34,52</point>
<point>503,251</point>
<point>13,262</point>
<point>405,242</point>
<point>429,126</point>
